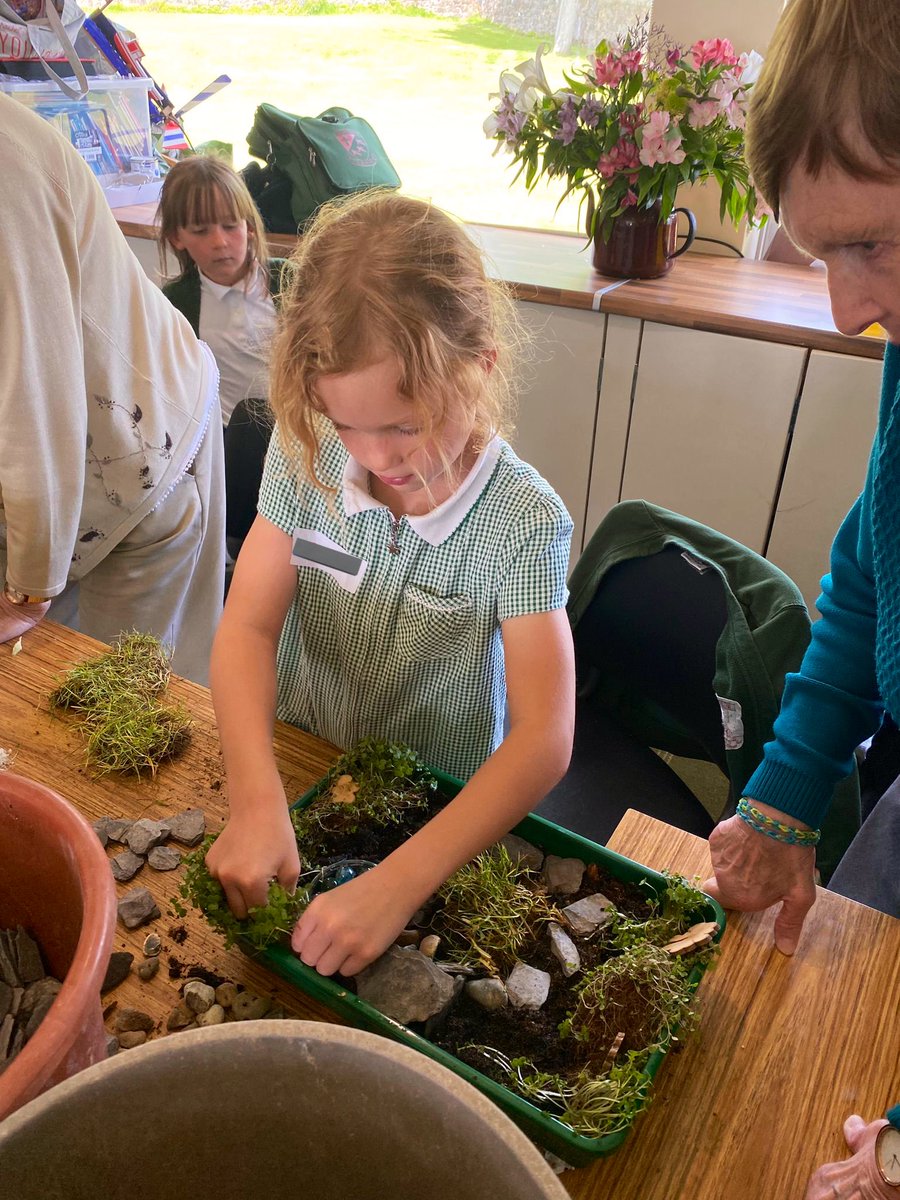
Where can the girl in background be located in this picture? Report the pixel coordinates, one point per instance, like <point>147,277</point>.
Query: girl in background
<point>229,290</point>
<point>405,576</point>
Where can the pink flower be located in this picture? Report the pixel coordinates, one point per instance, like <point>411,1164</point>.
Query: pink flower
<point>673,57</point>
<point>631,61</point>
<point>623,158</point>
<point>629,199</point>
<point>631,118</point>
<point>702,113</point>
<point>660,144</point>
<point>718,52</point>
<point>609,70</point>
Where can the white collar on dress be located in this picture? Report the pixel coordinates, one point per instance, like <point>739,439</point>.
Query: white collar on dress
<point>221,290</point>
<point>435,526</point>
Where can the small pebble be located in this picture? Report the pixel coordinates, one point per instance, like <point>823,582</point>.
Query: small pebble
<point>162,858</point>
<point>214,1015</point>
<point>148,968</point>
<point>180,1017</point>
<point>429,944</point>
<point>198,996</point>
<point>152,944</point>
<point>247,1007</point>
<point>129,1020</point>
<point>225,994</point>
<point>119,965</point>
<point>125,865</point>
<point>135,1037</point>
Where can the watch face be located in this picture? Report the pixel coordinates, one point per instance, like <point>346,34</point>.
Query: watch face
<point>887,1154</point>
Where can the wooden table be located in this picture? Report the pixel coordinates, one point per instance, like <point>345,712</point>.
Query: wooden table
<point>787,1047</point>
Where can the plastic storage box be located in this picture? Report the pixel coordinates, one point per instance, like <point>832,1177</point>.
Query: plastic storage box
<point>109,127</point>
<point>546,1130</point>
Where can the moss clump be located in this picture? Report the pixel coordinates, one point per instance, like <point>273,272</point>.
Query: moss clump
<point>117,695</point>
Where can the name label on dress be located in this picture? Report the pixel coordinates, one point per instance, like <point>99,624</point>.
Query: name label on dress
<point>310,548</point>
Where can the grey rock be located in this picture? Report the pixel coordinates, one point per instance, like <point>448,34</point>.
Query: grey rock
<point>8,969</point>
<point>519,850</point>
<point>214,1015</point>
<point>198,996</point>
<point>148,968</point>
<point>405,985</point>
<point>162,858</point>
<point>180,1017</point>
<point>17,994</point>
<point>248,1007</point>
<point>125,865</point>
<point>7,1026</point>
<point>188,827</point>
<point>40,1010</point>
<point>137,907</point>
<point>130,1019</point>
<point>28,956</point>
<point>145,834</point>
<point>564,949</point>
<point>119,965</point>
<point>527,987</point>
<point>132,1038</point>
<point>112,1045</point>
<point>6,995</point>
<point>101,828</point>
<point>38,993</point>
<point>562,876</point>
<point>489,993</point>
<point>586,916</point>
<point>117,830</point>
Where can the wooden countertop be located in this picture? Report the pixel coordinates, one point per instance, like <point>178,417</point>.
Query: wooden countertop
<point>776,302</point>
<point>787,1048</point>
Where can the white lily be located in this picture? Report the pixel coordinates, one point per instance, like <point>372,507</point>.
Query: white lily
<point>749,66</point>
<point>532,72</point>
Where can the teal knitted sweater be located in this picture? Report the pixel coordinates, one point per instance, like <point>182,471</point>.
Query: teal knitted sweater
<point>851,671</point>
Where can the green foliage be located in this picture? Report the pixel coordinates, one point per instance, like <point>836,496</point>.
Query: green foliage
<point>490,911</point>
<point>390,780</point>
<point>117,695</point>
<point>266,923</point>
<point>671,912</point>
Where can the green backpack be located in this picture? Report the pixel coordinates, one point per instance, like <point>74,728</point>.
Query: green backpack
<point>311,160</point>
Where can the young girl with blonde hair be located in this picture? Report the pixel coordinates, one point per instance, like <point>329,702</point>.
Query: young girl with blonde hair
<point>406,575</point>
<point>229,290</point>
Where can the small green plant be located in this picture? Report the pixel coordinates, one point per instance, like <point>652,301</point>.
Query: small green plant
<point>117,694</point>
<point>490,912</point>
<point>375,783</point>
<point>645,994</point>
<point>671,912</point>
<point>266,923</point>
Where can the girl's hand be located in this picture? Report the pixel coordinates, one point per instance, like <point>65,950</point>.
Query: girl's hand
<point>346,929</point>
<point>253,848</point>
<point>856,1178</point>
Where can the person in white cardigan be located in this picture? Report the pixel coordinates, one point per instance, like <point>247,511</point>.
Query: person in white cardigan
<point>111,464</point>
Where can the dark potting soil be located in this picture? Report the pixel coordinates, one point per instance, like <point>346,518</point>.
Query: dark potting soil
<point>517,1033</point>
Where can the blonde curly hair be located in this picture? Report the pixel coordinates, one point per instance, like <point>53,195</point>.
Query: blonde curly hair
<point>379,274</point>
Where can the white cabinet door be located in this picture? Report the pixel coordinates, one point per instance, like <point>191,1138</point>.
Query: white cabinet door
<point>827,464</point>
<point>709,426</point>
<point>558,402</point>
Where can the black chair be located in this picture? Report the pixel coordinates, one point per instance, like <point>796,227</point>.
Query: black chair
<point>682,640</point>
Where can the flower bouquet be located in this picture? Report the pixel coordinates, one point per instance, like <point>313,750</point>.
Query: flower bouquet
<point>639,119</point>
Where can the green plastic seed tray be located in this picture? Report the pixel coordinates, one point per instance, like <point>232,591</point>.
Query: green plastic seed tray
<point>544,1128</point>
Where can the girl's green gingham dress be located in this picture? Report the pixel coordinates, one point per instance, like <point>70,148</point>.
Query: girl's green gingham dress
<point>410,648</point>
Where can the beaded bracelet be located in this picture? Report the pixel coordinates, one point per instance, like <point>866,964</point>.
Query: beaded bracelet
<point>788,834</point>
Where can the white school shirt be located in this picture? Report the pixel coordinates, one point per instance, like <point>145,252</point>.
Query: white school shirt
<point>407,645</point>
<point>238,324</point>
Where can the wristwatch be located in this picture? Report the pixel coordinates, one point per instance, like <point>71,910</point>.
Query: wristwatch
<point>14,596</point>
<point>887,1148</point>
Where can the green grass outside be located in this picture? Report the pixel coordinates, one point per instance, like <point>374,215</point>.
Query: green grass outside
<point>423,83</point>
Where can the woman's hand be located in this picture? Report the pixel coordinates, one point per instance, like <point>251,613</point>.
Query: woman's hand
<point>856,1178</point>
<point>255,847</point>
<point>349,927</point>
<point>16,619</point>
<point>753,871</point>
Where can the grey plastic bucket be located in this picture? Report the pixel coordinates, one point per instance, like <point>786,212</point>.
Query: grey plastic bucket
<point>268,1108</point>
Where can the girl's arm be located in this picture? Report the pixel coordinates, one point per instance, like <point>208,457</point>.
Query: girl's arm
<point>344,930</point>
<point>258,843</point>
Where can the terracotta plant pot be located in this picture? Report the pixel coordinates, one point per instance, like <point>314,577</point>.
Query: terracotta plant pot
<point>640,246</point>
<point>55,881</point>
<point>270,1108</point>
